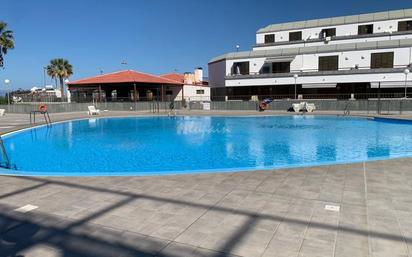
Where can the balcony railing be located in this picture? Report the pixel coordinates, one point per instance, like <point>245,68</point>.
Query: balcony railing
<point>336,38</point>
<point>302,96</point>
<point>316,72</point>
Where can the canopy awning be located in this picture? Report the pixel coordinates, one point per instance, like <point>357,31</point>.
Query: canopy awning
<point>395,84</point>
<point>323,85</point>
<point>280,59</point>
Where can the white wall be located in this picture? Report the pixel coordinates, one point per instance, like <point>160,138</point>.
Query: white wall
<point>255,64</point>
<point>190,92</point>
<point>334,42</point>
<point>309,62</point>
<point>352,78</point>
<point>341,30</point>
<point>347,60</point>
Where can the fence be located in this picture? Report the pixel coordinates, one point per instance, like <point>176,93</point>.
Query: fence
<point>82,107</point>
<point>383,106</point>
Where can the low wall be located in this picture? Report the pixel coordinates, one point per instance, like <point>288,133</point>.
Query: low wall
<point>389,106</point>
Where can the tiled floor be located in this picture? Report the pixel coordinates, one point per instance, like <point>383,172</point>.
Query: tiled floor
<point>263,213</point>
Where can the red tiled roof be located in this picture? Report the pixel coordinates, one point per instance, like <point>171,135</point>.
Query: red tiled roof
<point>126,76</point>
<point>174,76</point>
<point>181,78</point>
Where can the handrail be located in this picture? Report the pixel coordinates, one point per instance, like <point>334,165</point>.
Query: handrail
<point>346,111</point>
<point>4,153</point>
<point>45,114</point>
<point>317,72</point>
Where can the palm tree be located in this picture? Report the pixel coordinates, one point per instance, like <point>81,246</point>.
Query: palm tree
<point>6,41</point>
<point>61,69</point>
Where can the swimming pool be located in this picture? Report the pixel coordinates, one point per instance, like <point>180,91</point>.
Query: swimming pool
<point>190,144</point>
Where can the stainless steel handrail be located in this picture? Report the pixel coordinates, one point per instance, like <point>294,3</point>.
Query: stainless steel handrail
<point>4,153</point>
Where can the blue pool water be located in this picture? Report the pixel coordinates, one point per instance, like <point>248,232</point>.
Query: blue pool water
<point>164,145</point>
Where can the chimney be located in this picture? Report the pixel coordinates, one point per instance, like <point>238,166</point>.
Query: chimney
<point>198,75</point>
<point>188,78</point>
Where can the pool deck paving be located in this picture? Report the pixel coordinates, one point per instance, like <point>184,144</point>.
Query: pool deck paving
<point>360,209</point>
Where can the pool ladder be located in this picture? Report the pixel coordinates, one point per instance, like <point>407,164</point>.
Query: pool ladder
<point>346,111</point>
<point>3,153</point>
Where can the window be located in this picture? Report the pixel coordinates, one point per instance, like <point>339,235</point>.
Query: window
<point>169,92</point>
<point>269,38</point>
<point>200,92</point>
<point>382,60</point>
<point>265,69</point>
<point>281,67</point>
<point>328,33</point>
<point>365,29</point>
<point>295,36</point>
<point>328,63</point>
<point>240,68</point>
<point>404,25</point>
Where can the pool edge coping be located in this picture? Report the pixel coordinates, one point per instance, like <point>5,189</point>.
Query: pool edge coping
<point>195,172</point>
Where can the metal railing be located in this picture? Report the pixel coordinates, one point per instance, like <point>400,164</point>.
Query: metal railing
<point>307,72</point>
<point>335,38</point>
<point>4,159</point>
<point>300,96</point>
<point>369,104</point>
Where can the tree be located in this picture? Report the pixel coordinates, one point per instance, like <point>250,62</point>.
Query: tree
<point>61,69</point>
<point>6,41</point>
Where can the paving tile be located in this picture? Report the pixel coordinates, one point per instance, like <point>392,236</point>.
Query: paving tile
<point>270,213</point>
<point>143,243</point>
<point>40,251</point>
<point>177,250</point>
<point>279,248</point>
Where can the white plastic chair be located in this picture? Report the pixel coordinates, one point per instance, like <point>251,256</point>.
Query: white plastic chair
<point>2,111</point>
<point>310,107</point>
<point>93,110</point>
<point>296,107</point>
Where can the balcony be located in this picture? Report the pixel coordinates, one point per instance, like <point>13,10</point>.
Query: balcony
<point>315,72</point>
<point>336,38</point>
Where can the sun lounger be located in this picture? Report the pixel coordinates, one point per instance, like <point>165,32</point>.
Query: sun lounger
<point>303,106</point>
<point>296,107</point>
<point>93,110</point>
<point>310,107</point>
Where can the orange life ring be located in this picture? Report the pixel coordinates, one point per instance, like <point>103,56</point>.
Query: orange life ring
<point>263,106</point>
<point>43,108</point>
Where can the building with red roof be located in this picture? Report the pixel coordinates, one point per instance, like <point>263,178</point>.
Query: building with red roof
<point>130,85</point>
<point>126,85</point>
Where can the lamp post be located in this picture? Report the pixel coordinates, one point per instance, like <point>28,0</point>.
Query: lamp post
<point>7,82</point>
<point>295,76</point>
<point>237,48</point>
<point>406,72</point>
<point>44,76</point>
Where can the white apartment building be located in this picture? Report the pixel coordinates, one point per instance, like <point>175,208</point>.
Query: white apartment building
<point>358,56</point>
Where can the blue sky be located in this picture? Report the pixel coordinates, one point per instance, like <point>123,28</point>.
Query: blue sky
<point>155,36</point>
